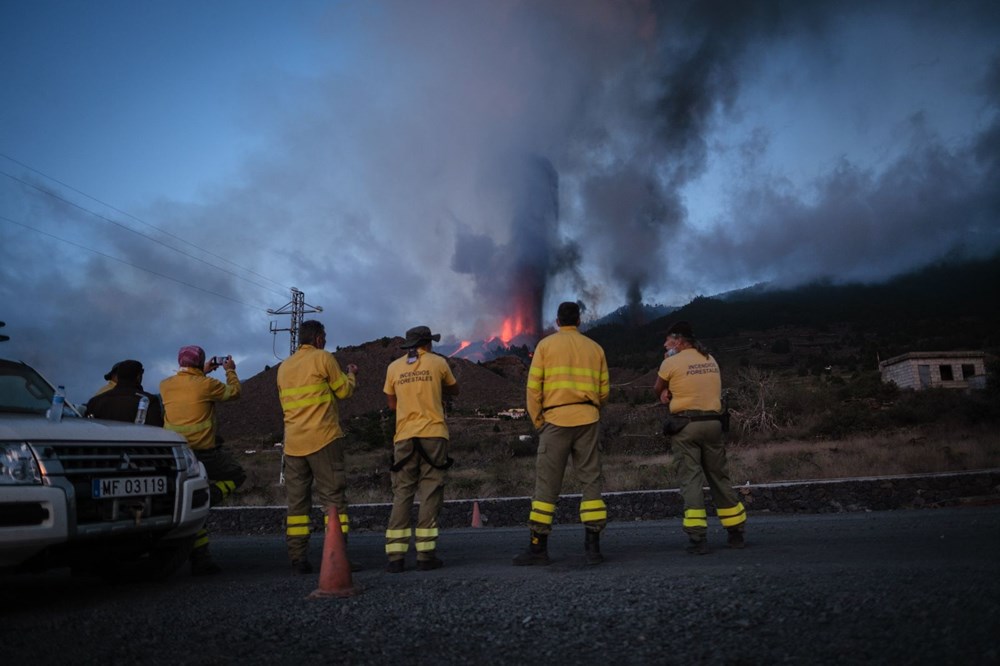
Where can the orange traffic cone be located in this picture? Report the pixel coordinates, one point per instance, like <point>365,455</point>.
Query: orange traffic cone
<point>334,570</point>
<point>477,520</point>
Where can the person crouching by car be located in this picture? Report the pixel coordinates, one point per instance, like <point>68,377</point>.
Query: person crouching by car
<point>189,399</point>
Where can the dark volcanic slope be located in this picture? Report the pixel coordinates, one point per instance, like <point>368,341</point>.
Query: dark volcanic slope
<point>492,386</point>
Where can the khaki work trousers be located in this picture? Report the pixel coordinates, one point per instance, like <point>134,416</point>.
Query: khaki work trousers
<point>556,446</point>
<point>225,475</point>
<point>424,481</point>
<point>700,456</point>
<point>323,471</point>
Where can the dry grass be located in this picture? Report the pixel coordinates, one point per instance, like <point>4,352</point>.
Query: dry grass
<point>493,461</point>
<point>904,452</point>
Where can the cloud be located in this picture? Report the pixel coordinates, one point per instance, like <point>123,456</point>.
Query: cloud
<point>861,224</point>
<point>444,163</point>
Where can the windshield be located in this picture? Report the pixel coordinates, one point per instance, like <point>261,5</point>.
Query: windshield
<point>24,391</point>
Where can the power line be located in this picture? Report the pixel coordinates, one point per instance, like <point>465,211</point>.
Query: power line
<point>122,261</point>
<point>140,221</point>
<point>296,308</point>
<point>138,233</point>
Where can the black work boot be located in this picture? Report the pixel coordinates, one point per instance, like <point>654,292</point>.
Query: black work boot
<point>395,566</point>
<point>301,566</point>
<point>697,546</point>
<point>592,547</point>
<point>429,564</point>
<point>202,564</point>
<point>736,538</point>
<point>537,552</point>
<point>354,566</point>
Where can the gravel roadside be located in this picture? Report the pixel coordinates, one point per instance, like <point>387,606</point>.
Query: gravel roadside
<point>900,587</point>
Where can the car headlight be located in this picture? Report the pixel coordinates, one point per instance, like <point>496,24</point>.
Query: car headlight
<point>18,465</point>
<point>191,461</point>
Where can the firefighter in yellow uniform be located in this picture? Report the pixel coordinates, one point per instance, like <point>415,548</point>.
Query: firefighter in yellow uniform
<point>689,381</point>
<point>189,399</point>
<point>414,385</point>
<point>568,384</point>
<point>310,382</point>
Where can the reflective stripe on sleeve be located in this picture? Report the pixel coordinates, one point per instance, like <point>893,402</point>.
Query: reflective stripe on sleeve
<point>194,427</point>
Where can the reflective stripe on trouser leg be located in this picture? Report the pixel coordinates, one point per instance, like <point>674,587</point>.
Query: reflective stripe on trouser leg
<point>686,448</point>
<point>397,542</point>
<point>593,514</point>
<point>345,525</point>
<point>220,490</point>
<point>225,474</point>
<point>297,526</point>
<point>732,516</point>
<point>329,480</point>
<point>695,519</point>
<point>554,446</point>
<point>426,539</point>
<point>541,515</point>
<point>297,529</point>
<point>430,492</point>
<point>201,539</point>
<point>404,483</point>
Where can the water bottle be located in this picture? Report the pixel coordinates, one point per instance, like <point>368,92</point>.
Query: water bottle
<point>58,400</point>
<point>140,414</point>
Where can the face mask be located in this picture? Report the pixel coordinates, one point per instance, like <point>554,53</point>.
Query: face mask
<point>671,352</point>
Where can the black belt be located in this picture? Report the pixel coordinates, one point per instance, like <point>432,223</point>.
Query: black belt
<point>696,415</point>
<point>567,404</point>
<point>417,448</point>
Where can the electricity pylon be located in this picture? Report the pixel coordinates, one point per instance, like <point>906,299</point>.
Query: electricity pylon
<point>297,308</point>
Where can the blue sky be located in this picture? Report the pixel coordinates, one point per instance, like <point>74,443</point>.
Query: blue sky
<point>168,171</point>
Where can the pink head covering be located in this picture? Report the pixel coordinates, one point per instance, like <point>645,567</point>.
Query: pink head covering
<point>191,356</point>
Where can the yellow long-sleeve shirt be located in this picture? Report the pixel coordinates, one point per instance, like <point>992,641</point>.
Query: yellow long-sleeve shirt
<point>310,382</point>
<point>189,399</point>
<point>568,381</point>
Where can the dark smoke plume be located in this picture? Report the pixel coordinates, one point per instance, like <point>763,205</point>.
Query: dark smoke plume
<point>512,277</point>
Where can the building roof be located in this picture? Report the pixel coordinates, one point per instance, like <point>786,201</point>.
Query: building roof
<point>931,355</point>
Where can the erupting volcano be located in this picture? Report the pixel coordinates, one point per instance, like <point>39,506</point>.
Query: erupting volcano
<point>525,314</point>
<point>511,278</point>
<point>518,334</point>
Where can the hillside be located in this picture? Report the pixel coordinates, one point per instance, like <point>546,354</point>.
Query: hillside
<point>946,306</point>
<point>816,330</point>
<point>489,387</point>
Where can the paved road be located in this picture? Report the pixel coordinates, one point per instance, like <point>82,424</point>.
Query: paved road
<point>901,587</point>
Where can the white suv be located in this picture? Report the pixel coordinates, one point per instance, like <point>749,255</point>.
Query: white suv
<point>120,500</point>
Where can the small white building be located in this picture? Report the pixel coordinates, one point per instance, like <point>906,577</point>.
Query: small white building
<point>920,370</point>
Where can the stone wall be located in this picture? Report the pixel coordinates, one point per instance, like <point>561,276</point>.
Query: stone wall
<point>904,370</point>
<point>828,496</point>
